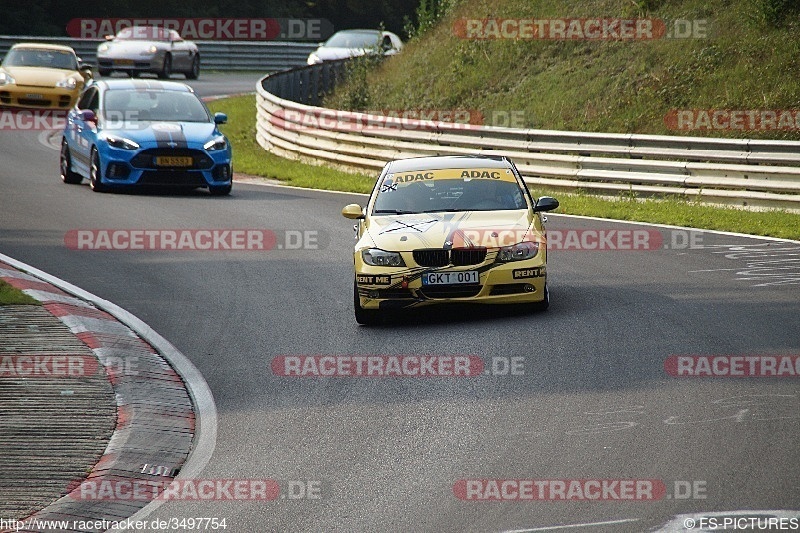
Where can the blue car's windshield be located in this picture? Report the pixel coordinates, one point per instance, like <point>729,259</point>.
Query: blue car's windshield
<point>154,105</point>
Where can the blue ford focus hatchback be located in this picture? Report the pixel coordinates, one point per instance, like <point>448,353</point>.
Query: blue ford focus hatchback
<point>124,133</point>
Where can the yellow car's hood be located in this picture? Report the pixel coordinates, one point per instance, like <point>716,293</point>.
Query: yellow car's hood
<point>403,233</point>
<point>38,76</point>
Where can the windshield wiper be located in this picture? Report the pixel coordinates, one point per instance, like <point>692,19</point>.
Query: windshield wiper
<point>447,210</point>
<point>393,212</point>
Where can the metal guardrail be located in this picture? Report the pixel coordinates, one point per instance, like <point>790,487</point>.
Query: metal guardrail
<point>268,56</point>
<point>307,85</point>
<point>742,172</point>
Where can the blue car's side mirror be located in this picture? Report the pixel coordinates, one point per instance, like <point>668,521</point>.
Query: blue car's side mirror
<point>220,118</point>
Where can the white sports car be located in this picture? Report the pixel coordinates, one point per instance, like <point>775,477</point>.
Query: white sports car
<point>148,49</point>
<point>354,43</point>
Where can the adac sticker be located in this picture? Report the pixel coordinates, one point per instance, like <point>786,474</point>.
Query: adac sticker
<point>501,174</point>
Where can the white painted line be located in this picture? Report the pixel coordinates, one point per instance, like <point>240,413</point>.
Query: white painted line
<point>206,414</point>
<point>570,526</point>
<point>45,296</point>
<point>221,96</point>
<point>667,226</point>
<point>83,324</point>
<point>5,273</point>
<point>249,181</point>
<point>615,220</point>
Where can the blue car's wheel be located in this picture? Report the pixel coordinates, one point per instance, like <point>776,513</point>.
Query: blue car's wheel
<point>95,173</point>
<point>67,175</point>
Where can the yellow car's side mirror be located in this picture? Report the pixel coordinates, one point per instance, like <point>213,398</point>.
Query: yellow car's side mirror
<point>353,211</point>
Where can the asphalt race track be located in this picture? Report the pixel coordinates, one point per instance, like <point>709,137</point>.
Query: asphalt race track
<point>591,399</point>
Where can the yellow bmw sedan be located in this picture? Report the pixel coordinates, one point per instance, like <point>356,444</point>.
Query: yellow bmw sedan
<point>449,229</point>
<point>36,75</point>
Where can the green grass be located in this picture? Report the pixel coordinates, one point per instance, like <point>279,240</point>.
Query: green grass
<point>744,63</point>
<point>680,212</point>
<point>11,296</point>
<point>250,158</point>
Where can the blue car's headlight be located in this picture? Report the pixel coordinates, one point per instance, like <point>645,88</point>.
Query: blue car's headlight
<point>121,142</point>
<point>217,143</point>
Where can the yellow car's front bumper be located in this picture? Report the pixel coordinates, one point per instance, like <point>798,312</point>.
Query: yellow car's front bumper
<point>499,283</point>
<point>33,97</point>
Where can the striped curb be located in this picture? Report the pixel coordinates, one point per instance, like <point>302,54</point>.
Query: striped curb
<point>155,422</point>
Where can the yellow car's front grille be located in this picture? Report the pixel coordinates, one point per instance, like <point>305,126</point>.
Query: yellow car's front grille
<point>435,257</point>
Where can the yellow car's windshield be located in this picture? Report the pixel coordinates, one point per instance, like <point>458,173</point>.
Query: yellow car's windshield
<point>36,57</point>
<point>489,189</point>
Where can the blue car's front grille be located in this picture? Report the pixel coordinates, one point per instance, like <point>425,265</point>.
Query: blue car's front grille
<point>148,159</point>
<point>172,178</point>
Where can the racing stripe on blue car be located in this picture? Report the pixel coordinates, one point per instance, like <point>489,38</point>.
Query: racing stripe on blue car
<point>170,139</point>
<point>180,138</point>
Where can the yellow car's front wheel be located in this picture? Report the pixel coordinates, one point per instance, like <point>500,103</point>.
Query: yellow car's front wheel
<point>366,317</point>
<point>545,303</point>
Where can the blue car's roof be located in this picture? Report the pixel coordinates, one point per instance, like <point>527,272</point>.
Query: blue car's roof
<point>154,85</point>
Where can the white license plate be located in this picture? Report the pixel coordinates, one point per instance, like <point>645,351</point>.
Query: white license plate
<point>451,278</point>
<point>34,96</point>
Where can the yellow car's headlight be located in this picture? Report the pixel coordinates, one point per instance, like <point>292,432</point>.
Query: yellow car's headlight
<point>518,252</point>
<point>67,83</point>
<point>378,257</point>
<point>6,79</point>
